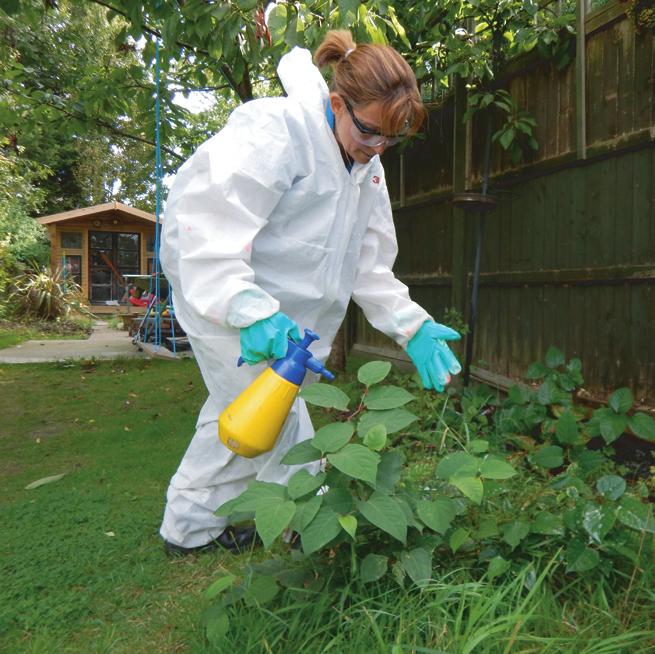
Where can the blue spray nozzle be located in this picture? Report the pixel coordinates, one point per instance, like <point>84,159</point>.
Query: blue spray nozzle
<point>298,359</point>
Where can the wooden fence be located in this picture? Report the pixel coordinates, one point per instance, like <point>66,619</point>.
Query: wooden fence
<point>569,253</point>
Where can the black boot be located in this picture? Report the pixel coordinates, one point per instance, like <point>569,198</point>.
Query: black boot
<point>232,538</point>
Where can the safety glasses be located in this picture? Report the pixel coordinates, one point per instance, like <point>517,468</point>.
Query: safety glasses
<point>369,137</point>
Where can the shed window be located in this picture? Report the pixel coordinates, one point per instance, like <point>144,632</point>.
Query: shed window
<point>72,240</point>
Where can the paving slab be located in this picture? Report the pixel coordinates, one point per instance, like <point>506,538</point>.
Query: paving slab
<point>103,343</point>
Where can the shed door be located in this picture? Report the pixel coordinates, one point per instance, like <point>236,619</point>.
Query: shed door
<point>111,255</point>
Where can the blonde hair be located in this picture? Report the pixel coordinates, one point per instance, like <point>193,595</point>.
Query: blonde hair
<point>373,73</point>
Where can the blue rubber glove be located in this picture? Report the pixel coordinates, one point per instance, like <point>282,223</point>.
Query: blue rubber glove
<point>432,356</point>
<point>268,338</point>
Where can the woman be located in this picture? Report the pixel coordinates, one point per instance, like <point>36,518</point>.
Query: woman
<point>272,226</point>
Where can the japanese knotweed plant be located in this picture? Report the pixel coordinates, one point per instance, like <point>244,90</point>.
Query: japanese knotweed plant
<point>574,496</point>
<point>356,504</point>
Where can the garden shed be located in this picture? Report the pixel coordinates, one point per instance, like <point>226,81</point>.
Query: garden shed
<point>96,246</point>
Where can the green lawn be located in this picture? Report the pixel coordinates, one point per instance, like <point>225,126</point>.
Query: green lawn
<point>14,333</point>
<point>83,569</point>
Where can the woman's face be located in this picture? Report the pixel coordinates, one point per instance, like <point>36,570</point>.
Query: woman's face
<point>347,133</point>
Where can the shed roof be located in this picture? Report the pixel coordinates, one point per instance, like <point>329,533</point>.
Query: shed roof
<point>87,212</point>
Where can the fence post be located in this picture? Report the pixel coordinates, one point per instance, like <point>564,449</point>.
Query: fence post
<point>581,82</point>
<point>460,162</point>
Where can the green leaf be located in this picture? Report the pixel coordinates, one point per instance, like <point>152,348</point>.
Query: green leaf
<point>303,452</point>
<point>497,567</point>
<point>536,370</point>
<point>470,486</point>
<point>326,396</point>
<point>357,461</point>
<point>493,468</point>
<point>339,499</point>
<point>389,471</point>
<point>580,558</point>
<point>598,521</point>
<point>258,495</point>
<point>611,486</point>
<point>216,629</point>
<point>566,429</point>
<point>349,524</point>
<point>272,520</point>
<point>305,512</point>
<point>262,589</point>
<point>373,372</point>
<point>376,438</point>
<point>302,483</point>
<point>612,426</point>
<point>436,515</point>
<point>320,531</point>
<point>457,539</point>
<point>478,446</point>
<point>515,532</point>
<point>384,512</point>
<point>333,437</point>
<point>548,524</point>
<point>519,394</point>
<point>458,463</point>
<point>387,397</point>
<point>621,400</point>
<point>550,456</point>
<point>373,568</point>
<point>393,419</point>
<point>635,514</point>
<point>45,480</point>
<point>642,426</point>
<point>418,565</point>
<point>219,586</point>
<point>554,358</point>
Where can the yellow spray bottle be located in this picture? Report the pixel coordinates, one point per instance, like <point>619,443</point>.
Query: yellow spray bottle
<point>250,425</point>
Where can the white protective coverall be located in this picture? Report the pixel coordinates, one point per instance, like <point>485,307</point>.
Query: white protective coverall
<point>266,217</point>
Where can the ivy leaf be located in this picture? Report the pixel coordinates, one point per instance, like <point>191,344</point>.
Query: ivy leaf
<point>349,524</point>
<point>320,531</point>
<point>356,461</point>
<point>387,397</point>
<point>566,429</point>
<point>418,565</point>
<point>493,468</point>
<point>642,426</point>
<point>376,438</point>
<point>384,512</point>
<point>272,520</point>
<point>635,514</point>
<point>326,396</point>
<point>580,558</point>
<point>611,486</point>
<point>333,437</point>
<point>373,372</point>
<point>436,515</point>
<point>550,456</point>
<point>393,419</point>
<point>373,568</point>
<point>470,486</point>
<point>621,400</point>
<point>303,452</point>
<point>302,483</point>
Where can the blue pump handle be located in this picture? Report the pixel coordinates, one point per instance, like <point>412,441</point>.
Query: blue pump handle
<point>298,360</point>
